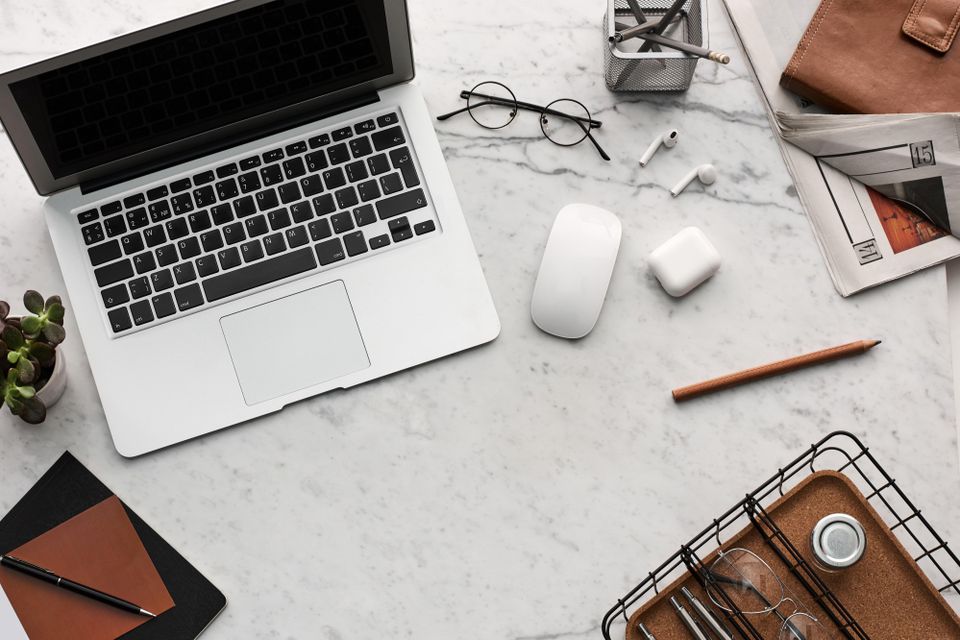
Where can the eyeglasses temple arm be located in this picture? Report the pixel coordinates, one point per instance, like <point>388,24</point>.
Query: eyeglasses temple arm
<point>586,130</point>
<point>452,113</point>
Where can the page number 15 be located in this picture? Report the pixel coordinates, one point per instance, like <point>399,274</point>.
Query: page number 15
<point>922,154</point>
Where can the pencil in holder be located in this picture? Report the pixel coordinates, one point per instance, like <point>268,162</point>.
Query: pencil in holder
<point>626,69</point>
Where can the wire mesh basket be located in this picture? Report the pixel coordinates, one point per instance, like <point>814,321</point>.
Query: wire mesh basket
<point>625,69</point>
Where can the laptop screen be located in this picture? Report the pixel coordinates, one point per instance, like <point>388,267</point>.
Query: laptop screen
<point>197,79</point>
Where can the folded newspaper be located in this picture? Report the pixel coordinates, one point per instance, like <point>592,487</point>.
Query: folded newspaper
<point>882,192</point>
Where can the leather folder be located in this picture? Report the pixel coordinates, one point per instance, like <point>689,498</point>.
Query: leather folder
<point>879,56</point>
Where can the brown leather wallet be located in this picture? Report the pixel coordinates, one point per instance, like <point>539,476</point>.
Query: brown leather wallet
<point>879,56</point>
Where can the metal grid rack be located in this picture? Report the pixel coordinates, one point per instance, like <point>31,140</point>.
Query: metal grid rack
<point>840,451</point>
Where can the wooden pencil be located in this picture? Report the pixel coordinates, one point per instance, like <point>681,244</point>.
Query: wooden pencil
<point>773,369</point>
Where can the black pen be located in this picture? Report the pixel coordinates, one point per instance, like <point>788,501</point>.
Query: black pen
<point>46,575</point>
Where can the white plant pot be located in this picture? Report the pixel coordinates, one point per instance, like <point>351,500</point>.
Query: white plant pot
<point>51,392</point>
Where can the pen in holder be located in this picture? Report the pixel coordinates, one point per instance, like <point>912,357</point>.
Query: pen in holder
<point>628,69</point>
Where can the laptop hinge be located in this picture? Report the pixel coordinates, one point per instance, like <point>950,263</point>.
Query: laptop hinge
<point>229,142</point>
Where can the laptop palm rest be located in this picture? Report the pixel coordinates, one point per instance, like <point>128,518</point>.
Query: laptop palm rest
<point>295,342</point>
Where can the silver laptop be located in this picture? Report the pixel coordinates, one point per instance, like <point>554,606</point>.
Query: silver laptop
<point>250,207</point>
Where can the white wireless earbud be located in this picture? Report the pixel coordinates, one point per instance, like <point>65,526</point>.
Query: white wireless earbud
<point>669,139</point>
<point>707,174</point>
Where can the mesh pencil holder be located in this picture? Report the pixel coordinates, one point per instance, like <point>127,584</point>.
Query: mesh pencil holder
<point>666,70</point>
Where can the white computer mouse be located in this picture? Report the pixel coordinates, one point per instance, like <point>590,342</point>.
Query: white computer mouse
<point>575,271</point>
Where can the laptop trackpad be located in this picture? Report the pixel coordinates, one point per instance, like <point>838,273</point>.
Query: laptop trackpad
<point>294,343</point>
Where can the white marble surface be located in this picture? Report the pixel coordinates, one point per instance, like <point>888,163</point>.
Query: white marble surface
<point>517,490</point>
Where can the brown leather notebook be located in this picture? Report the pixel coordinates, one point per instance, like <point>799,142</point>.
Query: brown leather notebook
<point>98,548</point>
<point>879,56</point>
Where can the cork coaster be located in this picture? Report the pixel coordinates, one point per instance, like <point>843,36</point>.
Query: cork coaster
<point>886,592</point>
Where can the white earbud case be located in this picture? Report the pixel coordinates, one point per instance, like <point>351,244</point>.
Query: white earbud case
<point>684,261</point>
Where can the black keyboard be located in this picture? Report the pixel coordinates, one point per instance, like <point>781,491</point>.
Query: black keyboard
<point>307,205</point>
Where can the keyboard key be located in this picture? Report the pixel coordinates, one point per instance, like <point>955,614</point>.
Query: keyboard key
<point>274,244</point>
<point>424,227</point>
<point>249,163</point>
<point>199,221</point>
<point>403,161</point>
<point>88,216</point>
<point>355,243</point>
<point>279,219</point>
<point>204,197</point>
<point>221,214</point>
<point>137,218</point>
<point>273,156</point>
<point>113,273</point>
<point>296,148</point>
<point>244,207</point>
<point>316,161</point>
<point>403,234</point>
<point>141,312</point>
<point>342,222</point>
<point>338,154</point>
<point>111,208</point>
<point>388,119</point>
<point>203,178</point>
<point>379,242</point>
<point>391,184</point>
<point>400,204</point>
<point>289,192</point>
<point>324,204</point>
<point>267,200</point>
<point>157,192</point>
<point>294,168</point>
<point>180,185</point>
<point>334,178</point>
<point>144,263</point>
<point>229,258</point>
<point>249,182</point>
<point>400,229</point>
<point>184,273</point>
<point>399,223</point>
<point>320,230</point>
<point>233,233</point>
<point>347,198</point>
<point>364,215</point>
<point>160,211</point>
<point>256,226</point>
<point>227,189</point>
<point>330,251</point>
<point>163,305</point>
<point>119,319</point>
<point>115,295</point>
<point>361,147</point>
<point>104,253</point>
<point>296,237</point>
<point>92,233</point>
<point>189,297</point>
<point>227,170</point>
<point>181,204</point>
<point>388,138</point>
<point>301,211</point>
<point>378,164</point>
<point>162,280</point>
<point>368,190</point>
<point>207,266</point>
<point>211,240</point>
<point>154,236</point>
<point>311,185</point>
<point>132,243</point>
<point>356,171</point>
<point>139,288</point>
<point>342,134</point>
<point>166,255</point>
<point>319,141</point>
<point>189,248</point>
<point>265,272</point>
<point>134,201</point>
<point>271,175</point>
<point>177,228</point>
<point>115,226</point>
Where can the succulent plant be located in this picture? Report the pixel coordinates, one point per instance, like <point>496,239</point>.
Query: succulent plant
<point>28,348</point>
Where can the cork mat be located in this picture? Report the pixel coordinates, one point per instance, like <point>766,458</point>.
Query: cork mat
<point>886,592</point>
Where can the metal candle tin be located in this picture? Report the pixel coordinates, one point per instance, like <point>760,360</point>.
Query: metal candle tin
<point>838,542</point>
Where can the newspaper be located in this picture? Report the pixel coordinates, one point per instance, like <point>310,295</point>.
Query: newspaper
<point>876,188</point>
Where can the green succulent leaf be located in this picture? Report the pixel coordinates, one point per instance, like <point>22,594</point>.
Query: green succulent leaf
<point>55,311</point>
<point>54,333</point>
<point>13,356</point>
<point>27,392</point>
<point>33,301</point>
<point>44,353</point>
<point>15,403</point>
<point>33,411</point>
<point>12,336</point>
<point>4,310</point>
<point>27,369</point>
<point>31,325</point>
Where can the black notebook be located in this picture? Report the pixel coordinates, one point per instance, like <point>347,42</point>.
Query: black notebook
<point>69,489</point>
